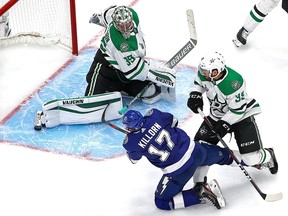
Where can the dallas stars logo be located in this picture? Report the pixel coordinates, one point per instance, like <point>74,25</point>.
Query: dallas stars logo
<point>217,105</point>
<point>212,60</point>
<point>124,47</point>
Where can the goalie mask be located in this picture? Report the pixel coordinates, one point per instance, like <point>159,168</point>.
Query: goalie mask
<point>133,120</point>
<point>123,21</point>
<point>211,62</point>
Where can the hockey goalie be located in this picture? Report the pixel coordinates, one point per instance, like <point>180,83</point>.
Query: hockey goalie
<point>119,67</point>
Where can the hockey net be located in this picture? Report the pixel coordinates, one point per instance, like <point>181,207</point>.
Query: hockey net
<point>42,22</point>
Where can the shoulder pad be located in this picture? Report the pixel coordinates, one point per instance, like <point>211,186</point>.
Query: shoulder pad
<point>231,83</point>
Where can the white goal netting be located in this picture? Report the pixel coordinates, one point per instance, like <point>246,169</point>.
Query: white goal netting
<point>39,21</point>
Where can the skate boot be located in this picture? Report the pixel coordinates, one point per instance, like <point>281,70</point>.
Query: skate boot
<point>4,20</point>
<point>210,192</point>
<point>7,30</point>
<point>241,37</point>
<point>272,165</point>
<point>39,120</point>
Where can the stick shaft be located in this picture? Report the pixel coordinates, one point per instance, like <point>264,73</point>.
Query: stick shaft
<point>263,195</point>
<point>176,58</point>
<point>110,124</point>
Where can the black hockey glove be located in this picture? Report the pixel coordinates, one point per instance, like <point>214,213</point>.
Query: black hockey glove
<point>221,128</point>
<point>285,5</point>
<point>195,100</point>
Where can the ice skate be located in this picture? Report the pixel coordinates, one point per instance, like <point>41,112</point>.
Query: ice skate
<point>39,120</point>
<point>7,29</point>
<point>272,165</point>
<point>210,192</point>
<point>241,37</point>
<point>215,188</point>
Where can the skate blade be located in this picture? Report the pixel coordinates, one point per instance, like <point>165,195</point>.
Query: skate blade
<point>237,43</point>
<point>217,191</point>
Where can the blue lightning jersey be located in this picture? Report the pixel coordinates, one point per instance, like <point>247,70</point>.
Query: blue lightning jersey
<point>160,140</point>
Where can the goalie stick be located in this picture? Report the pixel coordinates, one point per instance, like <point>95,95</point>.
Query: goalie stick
<point>266,197</point>
<point>169,93</point>
<point>123,110</point>
<point>110,124</point>
<point>189,45</point>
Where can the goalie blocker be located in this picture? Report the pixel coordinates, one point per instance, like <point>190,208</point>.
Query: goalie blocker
<point>80,110</point>
<point>161,75</point>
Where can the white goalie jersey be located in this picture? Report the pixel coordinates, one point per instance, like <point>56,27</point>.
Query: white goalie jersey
<point>128,55</point>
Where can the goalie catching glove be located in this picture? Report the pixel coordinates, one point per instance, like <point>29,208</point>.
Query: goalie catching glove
<point>104,17</point>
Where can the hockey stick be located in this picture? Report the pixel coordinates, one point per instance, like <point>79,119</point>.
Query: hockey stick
<point>266,197</point>
<point>135,98</point>
<point>170,93</point>
<point>110,124</point>
<point>189,45</point>
<point>174,60</point>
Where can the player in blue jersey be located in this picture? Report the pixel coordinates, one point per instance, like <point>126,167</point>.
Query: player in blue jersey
<point>157,137</point>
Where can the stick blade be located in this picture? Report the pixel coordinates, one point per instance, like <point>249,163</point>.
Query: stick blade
<point>191,25</point>
<point>273,197</point>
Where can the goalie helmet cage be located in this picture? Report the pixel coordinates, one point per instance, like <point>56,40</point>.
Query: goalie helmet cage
<point>42,22</point>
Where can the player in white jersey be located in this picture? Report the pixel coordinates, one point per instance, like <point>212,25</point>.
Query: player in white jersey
<point>120,64</point>
<point>255,17</point>
<point>231,110</point>
<point>4,25</point>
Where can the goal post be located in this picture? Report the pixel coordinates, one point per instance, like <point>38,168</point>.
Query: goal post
<point>41,22</point>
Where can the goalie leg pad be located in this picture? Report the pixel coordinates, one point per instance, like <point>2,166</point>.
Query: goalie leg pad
<point>152,95</point>
<point>168,93</point>
<point>82,110</point>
